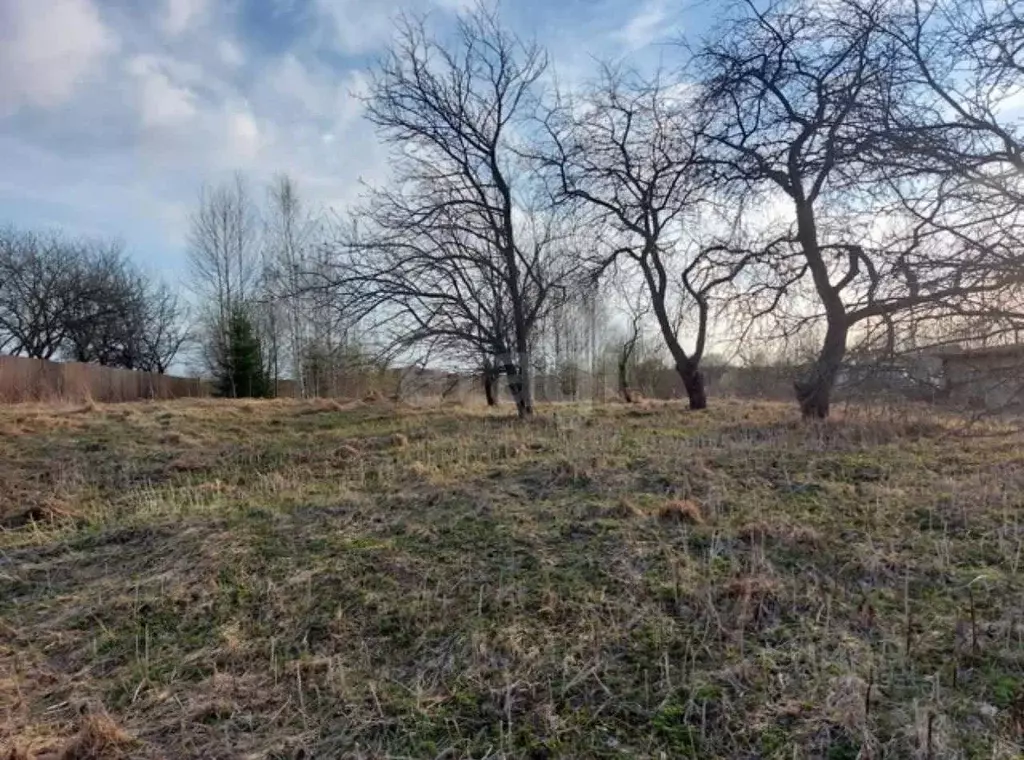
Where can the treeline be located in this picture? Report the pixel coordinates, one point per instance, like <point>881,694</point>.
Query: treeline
<point>84,300</point>
<point>841,181</point>
<point>260,270</point>
<point>849,172</point>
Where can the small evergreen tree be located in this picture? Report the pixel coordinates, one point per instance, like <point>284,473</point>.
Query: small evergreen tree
<point>241,372</point>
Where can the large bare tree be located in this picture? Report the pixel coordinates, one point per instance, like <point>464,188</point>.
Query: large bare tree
<point>807,100</point>
<point>794,94</point>
<point>627,152</point>
<point>102,320</point>
<point>39,287</point>
<point>959,136</point>
<point>85,301</point>
<point>461,252</point>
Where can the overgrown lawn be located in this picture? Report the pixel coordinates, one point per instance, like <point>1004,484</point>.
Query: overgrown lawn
<point>285,579</point>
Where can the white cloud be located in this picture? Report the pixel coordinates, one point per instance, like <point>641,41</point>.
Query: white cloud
<point>49,49</point>
<point>361,26</point>
<point>646,26</point>
<point>293,83</point>
<point>305,90</point>
<point>230,54</point>
<point>1011,104</point>
<point>179,15</point>
<point>456,6</point>
<point>120,146</point>
<point>358,26</point>
<point>243,134</point>
<point>163,103</point>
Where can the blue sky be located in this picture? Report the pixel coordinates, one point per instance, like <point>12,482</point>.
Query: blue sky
<point>114,112</point>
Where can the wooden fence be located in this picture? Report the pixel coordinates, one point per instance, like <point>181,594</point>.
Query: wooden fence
<point>26,380</point>
<point>23,379</point>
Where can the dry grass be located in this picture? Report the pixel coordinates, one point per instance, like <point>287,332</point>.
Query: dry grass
<point>99,738</point>
<point>263,579</point>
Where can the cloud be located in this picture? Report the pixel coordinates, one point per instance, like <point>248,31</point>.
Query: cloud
<point>312,92</point>
<point>646,26</point>
<point>356,26</point>
<point>179,15</point>
<point>243,134</point>
<point>110,122</point>
<point>290,81</point>
<point>230,54</point>
<point>361,26</point>
<point>48,49</point>
<point>1011,104</point>
<point>163,103</point>
<point>456,6</point>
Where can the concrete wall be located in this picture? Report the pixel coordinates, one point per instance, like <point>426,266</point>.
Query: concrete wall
<point>991,382</point>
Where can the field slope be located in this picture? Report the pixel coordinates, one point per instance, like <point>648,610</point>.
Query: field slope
<point>283,580</point>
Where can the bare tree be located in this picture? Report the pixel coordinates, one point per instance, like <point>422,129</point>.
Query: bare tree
<point>222,251</point>
<point>460,254</point>
<point>798,91</point>
<point>290,236</point>
<point>333,306</point>
<point>628,152</point>
<point>820,111</point>
<point>958,140</point>
<point>46,291</point>
<point>637,306</point>
<point>102,319</point>
<point>793,93</point>
<point>124,317</point>
<point>36,282</point>
<point>163,329</point>
<point>962,78</point>
<point>490,374</point>
<point>86,301</point>
<point>224,261</point>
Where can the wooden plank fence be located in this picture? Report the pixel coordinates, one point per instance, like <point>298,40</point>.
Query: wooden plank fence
<point>39,380</point>
<point>23,379</point>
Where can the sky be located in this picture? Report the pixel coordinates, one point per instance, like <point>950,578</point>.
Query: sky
<point>113,113</point>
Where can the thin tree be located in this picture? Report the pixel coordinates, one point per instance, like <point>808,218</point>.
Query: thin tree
<point>163,328</point>
<point>637,308</point>
<point>224,262</point>
<point>290,235</point>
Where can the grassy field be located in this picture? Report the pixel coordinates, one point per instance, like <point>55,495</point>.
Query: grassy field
<point>283,580</point>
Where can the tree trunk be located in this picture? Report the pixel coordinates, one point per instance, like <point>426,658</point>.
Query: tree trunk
<point>491,383</point>
<point>519,387</point>
<point>627,395</point>
<point>693,382</point>
<point>814,390</point>
<point>688,367</point>
<point>515,385</point>
<point>525,407</point>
